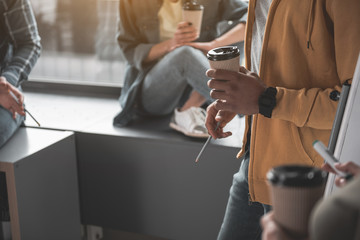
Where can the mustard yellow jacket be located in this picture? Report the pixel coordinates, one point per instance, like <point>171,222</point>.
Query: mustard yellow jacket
<point>310,48</point>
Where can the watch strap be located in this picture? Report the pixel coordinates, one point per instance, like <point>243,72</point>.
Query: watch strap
<point>267,101</point>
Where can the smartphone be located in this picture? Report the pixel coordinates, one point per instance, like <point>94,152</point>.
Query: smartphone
<point>329,158</point>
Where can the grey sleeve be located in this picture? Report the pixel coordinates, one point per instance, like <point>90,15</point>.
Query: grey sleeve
<point>338,216</point>
<point>133,46</point>
<point>234,10</point>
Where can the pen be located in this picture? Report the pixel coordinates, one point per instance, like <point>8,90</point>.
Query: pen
<point>330,159</point>
<point>32,116</point>
<point>25,110</point>
<point>206,144</point>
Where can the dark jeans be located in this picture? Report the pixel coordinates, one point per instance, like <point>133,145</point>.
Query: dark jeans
<point>242,217</point>
<point>8,125</point>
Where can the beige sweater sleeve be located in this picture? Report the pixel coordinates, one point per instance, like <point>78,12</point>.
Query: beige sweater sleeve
<point>338,216</point>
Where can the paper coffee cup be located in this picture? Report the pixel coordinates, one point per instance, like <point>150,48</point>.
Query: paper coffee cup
<point>227,58</point>
<point>294,190</point>
<point>193,12</point>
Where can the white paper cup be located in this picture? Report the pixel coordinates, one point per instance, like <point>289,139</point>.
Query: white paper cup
<point>193,13</point>
<point>227,58</point>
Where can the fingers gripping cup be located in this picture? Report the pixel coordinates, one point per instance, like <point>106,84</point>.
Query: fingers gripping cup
<point>294,191</point>
<point>193,13</point>
<point>227,58</point>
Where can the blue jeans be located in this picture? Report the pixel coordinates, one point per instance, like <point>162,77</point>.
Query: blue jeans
<point>242,217</point>
<point>165,84</point>
<point>8,125</point>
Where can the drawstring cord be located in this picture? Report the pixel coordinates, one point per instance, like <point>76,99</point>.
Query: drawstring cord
<point>310,23</point>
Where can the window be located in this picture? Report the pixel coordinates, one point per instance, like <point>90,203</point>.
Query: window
<point>79,42</point>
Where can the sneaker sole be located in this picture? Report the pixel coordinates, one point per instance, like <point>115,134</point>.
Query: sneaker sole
<point>189,134</point>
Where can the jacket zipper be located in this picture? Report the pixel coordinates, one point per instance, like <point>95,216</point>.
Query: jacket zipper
<point>310,23</point>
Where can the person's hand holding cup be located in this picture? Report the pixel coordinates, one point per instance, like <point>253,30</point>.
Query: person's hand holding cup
<point>294,191</point>
<point>226,58</point>
<point>193,14</point>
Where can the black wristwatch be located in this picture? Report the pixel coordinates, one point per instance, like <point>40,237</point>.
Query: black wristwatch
<point>267,101</point>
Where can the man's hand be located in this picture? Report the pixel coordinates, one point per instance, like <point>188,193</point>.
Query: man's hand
<point>348,167</point>
<point>11,98</point>
<point>236,92</point>
<point>214,116</point>
<point>271,230</point>
<point>185,33</point>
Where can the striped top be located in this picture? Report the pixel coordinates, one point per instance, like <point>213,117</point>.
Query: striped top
<point>19,40</point>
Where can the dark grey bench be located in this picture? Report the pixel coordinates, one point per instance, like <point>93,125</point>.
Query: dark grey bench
<point>42,184</point>
<point>141,178</point>
<point>147,183</point>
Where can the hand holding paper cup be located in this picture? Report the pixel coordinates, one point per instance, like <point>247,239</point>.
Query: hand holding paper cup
<point>193,13</point>
<point>227,58</point>
<point>294,191</point>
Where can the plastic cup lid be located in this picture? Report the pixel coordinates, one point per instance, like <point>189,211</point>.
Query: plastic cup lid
<point>296,176</point>
<point>193,6</point>
<point>223,53</point>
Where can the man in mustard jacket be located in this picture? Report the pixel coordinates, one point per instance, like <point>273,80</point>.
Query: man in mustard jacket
<point>298,54</point>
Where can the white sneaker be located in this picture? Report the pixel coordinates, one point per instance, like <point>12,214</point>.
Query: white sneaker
<point>190,122</point>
